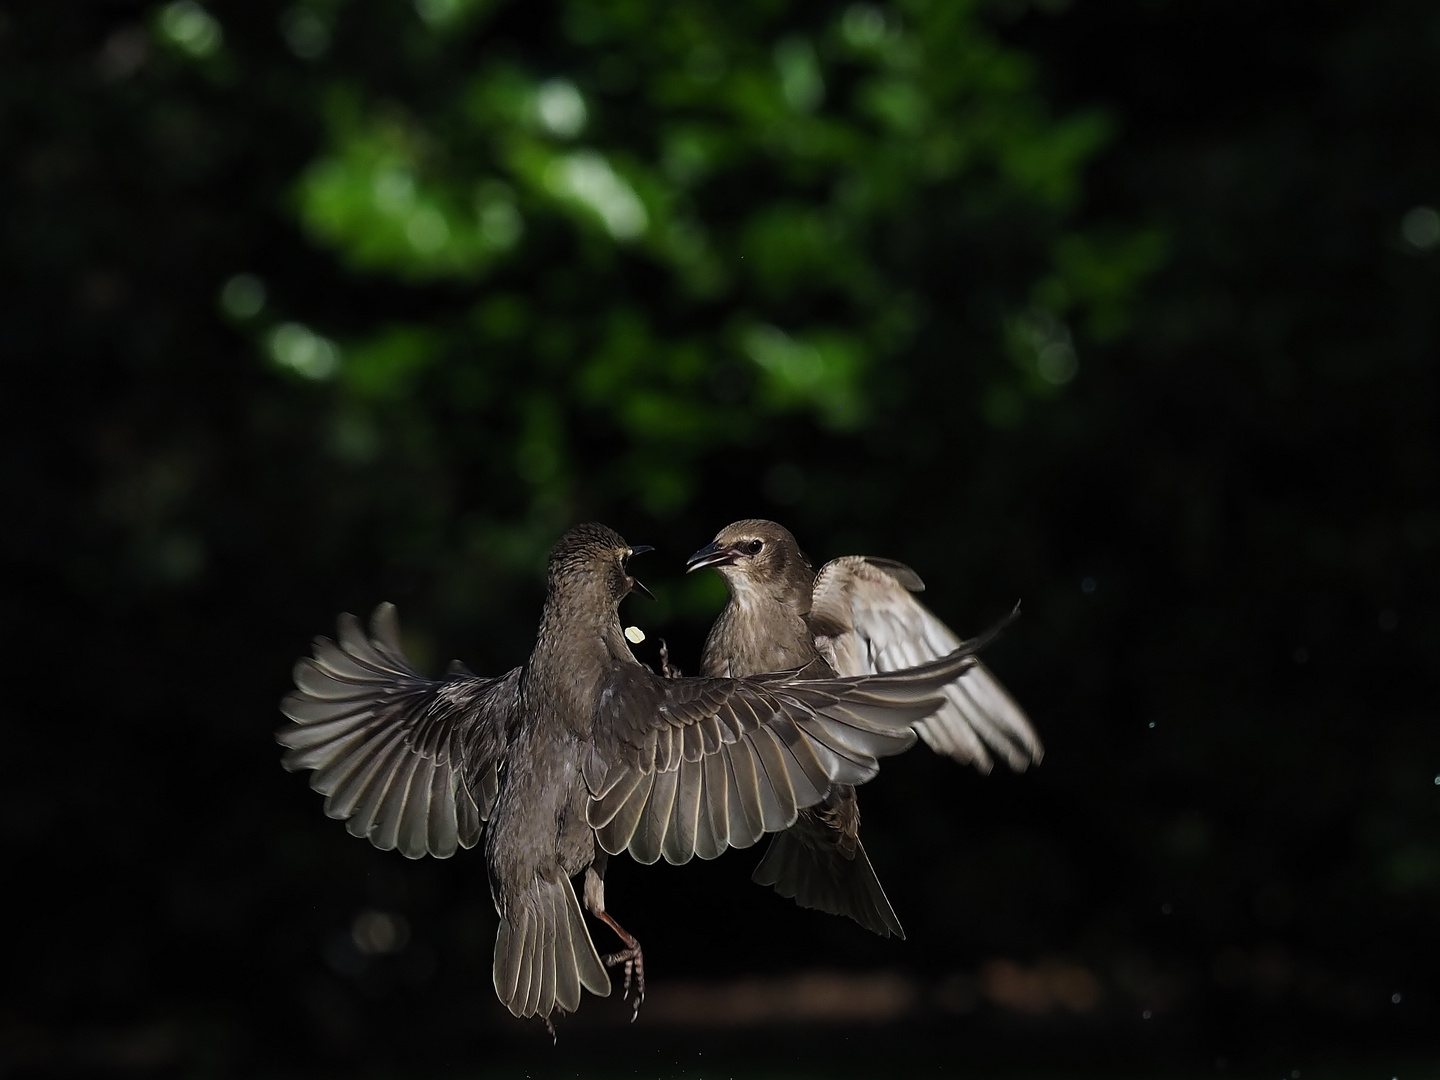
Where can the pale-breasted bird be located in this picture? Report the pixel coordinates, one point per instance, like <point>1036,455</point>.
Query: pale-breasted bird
<point>857,616</point>
<point>578,753</point>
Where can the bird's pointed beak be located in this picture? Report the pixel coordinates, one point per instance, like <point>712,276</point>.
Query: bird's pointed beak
<point>712,554</point>
<point>636,583</point>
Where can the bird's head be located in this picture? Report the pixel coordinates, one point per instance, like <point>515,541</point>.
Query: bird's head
<point>752,551</point>
<point>594,558</point>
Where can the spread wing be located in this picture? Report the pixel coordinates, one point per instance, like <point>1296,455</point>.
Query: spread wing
<point>866,620</point>
<point>406,761</point>
<point>686,767</point>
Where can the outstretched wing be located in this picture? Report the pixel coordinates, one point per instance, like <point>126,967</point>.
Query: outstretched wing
<point>407,762</point>
<point>866,620</point>
<point>687,767</point>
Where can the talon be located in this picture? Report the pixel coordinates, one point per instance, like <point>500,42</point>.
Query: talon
<point>666,669</point>
<point>631,957</point>
<point>634,962</point>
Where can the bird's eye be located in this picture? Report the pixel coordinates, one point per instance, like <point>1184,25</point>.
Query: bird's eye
<point>754,546</point>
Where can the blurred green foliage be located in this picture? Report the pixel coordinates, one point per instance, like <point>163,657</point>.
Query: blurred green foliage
<point>619,305</point>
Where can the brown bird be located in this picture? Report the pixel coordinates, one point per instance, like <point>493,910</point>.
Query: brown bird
<point>578,753</point>
<point>856,617</point>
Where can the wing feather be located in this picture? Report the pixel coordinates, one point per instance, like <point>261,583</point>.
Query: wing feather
<point>866,620</point>
<point>390,799</point>
<point>442,823</point>
<point>712,840</point>
<point>406,761</point>
<point>650,836</point>
<point>680,838</point>
<point>617,834</point>
<point>694,765</point>
<point>356,796</point>
<point>744,794</point>
<point>777,794</point>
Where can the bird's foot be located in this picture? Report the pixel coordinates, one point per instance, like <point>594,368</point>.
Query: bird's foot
<point>558,1012</point>
<point>666,669</point>
<point>630,956</point>
<point>634,961</point>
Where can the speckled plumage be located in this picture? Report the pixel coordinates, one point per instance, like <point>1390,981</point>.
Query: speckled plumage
<point>579,753</point>
<point>856,616</point>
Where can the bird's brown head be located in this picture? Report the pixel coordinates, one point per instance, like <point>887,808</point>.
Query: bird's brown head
<point>753,550</point>
<point>594,558</point>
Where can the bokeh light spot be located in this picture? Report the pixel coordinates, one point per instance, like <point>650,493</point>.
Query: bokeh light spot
<point>560,108</point>
<point>303,351</point>
<point>379,933</point>
<point>305,32</point>
<point>394,190</point>
<point>801,83</point>
<point>192,28</point>
<point>863,25</point>
<point>1057,363</point>
<point>1421,228</point>
<point>427,231</point>
<point>242,296</point>
<point>588,178</point>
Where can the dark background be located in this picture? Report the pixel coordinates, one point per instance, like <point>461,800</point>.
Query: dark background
<point>1129,311</point>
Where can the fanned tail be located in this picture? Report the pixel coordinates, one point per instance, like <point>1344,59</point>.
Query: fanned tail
<point>809,864</point>
<point>543,952</point>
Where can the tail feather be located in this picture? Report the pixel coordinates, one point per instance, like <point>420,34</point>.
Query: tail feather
<point>823,877</point>
<point>543,952</point>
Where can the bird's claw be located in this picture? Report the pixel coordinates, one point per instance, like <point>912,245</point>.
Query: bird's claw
<point>634,961</point>
<point>549,1021</point>
<point>666,669</point>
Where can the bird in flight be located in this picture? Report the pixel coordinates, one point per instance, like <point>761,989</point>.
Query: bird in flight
<point>857,616</point>
<point>580,753</point>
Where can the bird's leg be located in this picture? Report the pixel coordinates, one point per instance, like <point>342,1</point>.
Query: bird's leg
<point>665,669</point>
<point>557,1013</point>
<point>631,956</point>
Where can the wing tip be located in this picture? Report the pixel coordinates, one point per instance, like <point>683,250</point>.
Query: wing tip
<point>903,574</point>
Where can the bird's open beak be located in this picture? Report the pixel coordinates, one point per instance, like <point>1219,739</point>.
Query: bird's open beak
<point>711,555</point>
<point>636,583</point>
